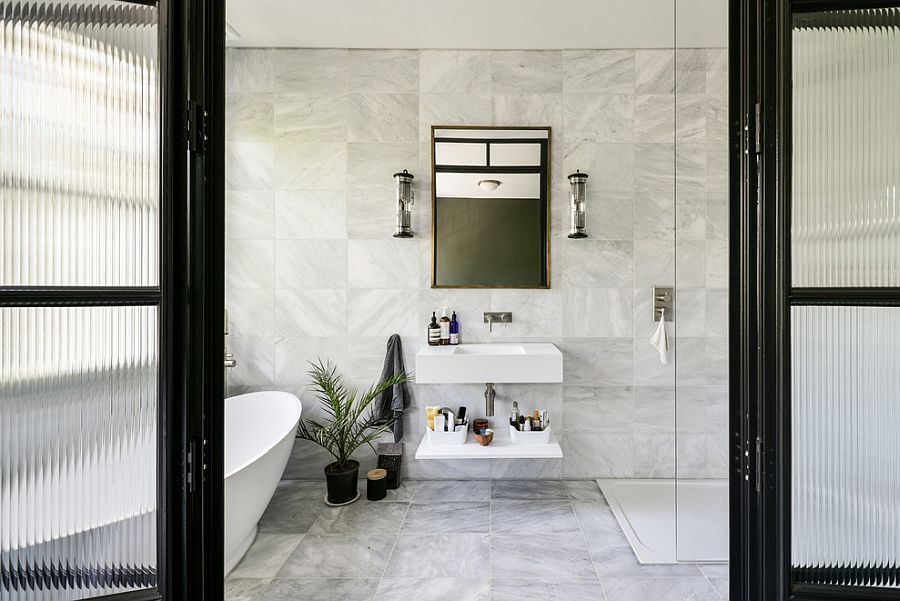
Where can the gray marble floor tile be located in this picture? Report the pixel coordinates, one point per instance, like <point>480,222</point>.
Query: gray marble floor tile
<point>526,71</point>
<point>550,555</point>
<point>383,118</point>
<point>384,517</point>
<point>537,490</point>
<point>722,587</point>
<point>310,70</point>
<point>339,556</point>
<point>546,517</point>
<point>659,589</point>
<point>245,589</point>
<point>535,589</point>
<point>714,570</point>
<point>384,71</point>
<point>311,117</point>
<point>595,517</point>
<point>437,555</point>
<point>434,589</point>
<point>584,490</point>
<point>437,491</point>
<point>614,558</point>
<point>322,589</point>
<point>286,514</point>
<point>449,517</point>
<point>266,555</point>
<point>604,71</point>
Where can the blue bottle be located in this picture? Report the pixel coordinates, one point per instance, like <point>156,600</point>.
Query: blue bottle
<point>454,329</point>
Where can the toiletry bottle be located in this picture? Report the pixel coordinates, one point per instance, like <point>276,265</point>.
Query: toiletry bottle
<point>445,327</point>
<point>454,329</point>
<point>434,331</point>
<point>514,415</point>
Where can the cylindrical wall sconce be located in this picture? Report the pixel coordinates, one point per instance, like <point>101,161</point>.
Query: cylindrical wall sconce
<point>405,199</point>
<point>577,195</point>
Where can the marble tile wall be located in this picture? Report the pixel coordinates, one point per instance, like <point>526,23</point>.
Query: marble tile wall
<point>313,137</point>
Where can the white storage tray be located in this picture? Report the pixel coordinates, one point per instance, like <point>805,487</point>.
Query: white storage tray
<point>442,438</point>
<point>517,437</point>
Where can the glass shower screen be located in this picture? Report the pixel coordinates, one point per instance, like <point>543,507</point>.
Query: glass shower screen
<point>79,298</point>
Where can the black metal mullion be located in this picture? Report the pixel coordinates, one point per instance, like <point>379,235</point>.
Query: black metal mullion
<point>850,297</point>
<point>79,296</point>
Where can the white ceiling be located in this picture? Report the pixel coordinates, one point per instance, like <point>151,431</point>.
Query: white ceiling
<point>485,24</point>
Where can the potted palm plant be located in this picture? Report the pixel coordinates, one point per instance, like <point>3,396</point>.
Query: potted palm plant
<point>352,420</point>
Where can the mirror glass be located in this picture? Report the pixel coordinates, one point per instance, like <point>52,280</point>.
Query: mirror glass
<point>490,207</point>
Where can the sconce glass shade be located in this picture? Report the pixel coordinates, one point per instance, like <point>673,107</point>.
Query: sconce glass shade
<point>405,199</point>
<point>489,184</point>
<point>577,196</point>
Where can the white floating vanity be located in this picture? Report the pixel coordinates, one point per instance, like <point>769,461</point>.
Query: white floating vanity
<point>528,363</point>
<point>513,363</point>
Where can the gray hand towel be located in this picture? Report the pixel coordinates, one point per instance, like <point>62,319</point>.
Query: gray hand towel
<point>395,398</point>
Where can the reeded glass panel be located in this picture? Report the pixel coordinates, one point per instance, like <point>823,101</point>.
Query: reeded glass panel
<point>79,144</point>
<point>78,426</point>
<point>845,452</point>
<point>846,149</point>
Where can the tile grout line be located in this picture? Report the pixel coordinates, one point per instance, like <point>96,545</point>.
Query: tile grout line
<point>391,554</point>
<point>587,548</point>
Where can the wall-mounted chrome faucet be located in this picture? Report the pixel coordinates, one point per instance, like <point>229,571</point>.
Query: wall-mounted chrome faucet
<point>492,317</point>
<point>663,303</point>
<point>230,361</point>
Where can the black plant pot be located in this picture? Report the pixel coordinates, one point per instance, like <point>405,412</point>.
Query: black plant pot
<point>342,483</point>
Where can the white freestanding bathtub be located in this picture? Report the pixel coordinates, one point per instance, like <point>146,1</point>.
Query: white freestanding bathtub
<point>259,434</point>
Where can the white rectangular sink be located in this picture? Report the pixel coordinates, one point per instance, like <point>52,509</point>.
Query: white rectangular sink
<point>524,363</point>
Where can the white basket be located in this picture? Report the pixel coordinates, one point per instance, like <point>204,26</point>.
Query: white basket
<point>443,438</point>
<point>540,437</point>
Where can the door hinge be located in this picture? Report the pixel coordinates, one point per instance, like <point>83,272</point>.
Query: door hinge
<point>760,452</point>
<point>195,127</point>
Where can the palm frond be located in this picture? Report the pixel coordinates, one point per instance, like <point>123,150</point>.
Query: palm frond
<point>352,420</point>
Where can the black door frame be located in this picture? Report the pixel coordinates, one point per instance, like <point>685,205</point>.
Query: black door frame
<point>190,293</point>
<point>761,298</point>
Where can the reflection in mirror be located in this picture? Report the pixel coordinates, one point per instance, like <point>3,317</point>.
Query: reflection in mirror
<point>490,207</point>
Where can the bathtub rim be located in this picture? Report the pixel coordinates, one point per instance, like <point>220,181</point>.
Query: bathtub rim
<point>256,456</point>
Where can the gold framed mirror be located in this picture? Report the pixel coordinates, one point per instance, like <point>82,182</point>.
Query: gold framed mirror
<point>490,196</point>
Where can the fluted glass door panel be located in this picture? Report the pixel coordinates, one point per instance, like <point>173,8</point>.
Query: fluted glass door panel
<point>845,197</point>
<point>845,447</point>
<point>79,145</point>
<point>78,448</point>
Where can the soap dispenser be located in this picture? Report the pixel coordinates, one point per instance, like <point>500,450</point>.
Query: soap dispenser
<point>445,327</point>
<point>434,331</point>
